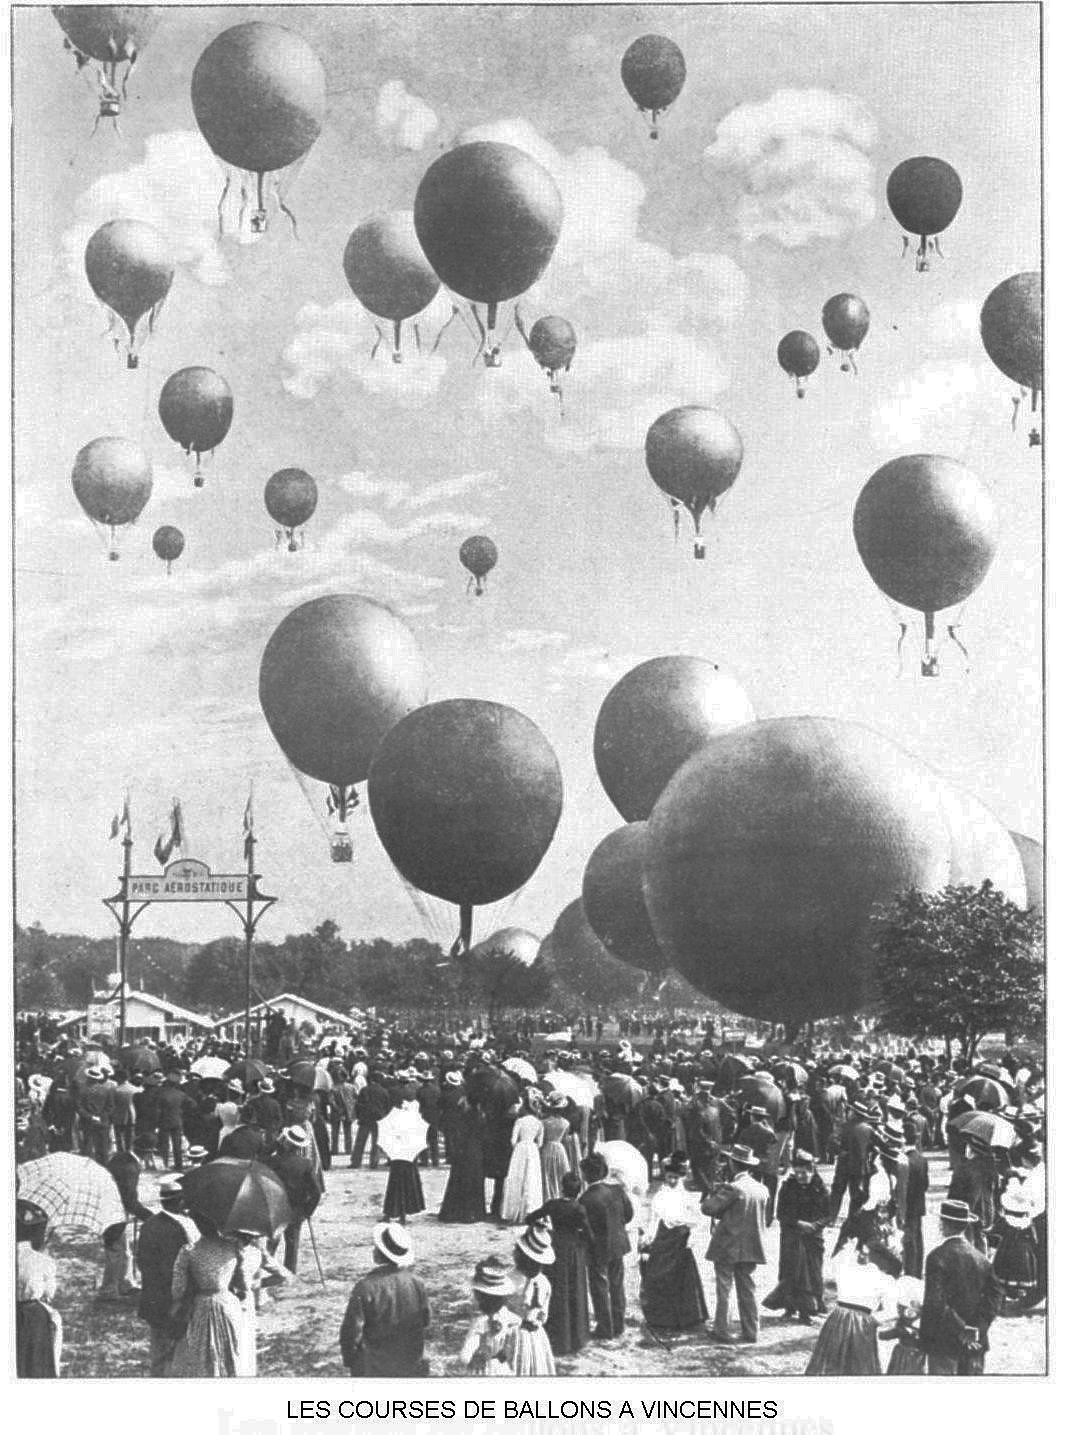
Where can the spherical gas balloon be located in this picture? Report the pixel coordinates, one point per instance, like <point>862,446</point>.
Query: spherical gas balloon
<point>112,480</point>
<point>478,555</point>
<point>614,900</point>
<point>291,497</point>
<point>113,36</point>
<point>130,269</point>
<point>798,354</point>
<point>1032,856</point>
<point>196,409</point>
<point>653,73</point>
<point>387,270</point>
<point>552,341</point>
<point>259,97</point>
<point>508,969</point>
<point>465,796</point>
<point>694,455</point>
<point>582,964</point>
<point>336,675</point>
<point>846,319</point>
<point>925,528</point>
<point>1011,324</point>
<point>924,195</point>
<point>654,718</point>
<point>769,853</point>
<point>515,944</point>
<point>982,847</point>
<point>168,543</point>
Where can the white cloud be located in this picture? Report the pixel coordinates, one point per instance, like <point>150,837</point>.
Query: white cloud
<point>527,640</point>
<point>402,118</point>
<point>394,492</point>
<point>336,341</point>
<point>936,397</point>
<point>368,527</point>
<point>946,325</point>
<point>802,161</point>
<point>175,188</point>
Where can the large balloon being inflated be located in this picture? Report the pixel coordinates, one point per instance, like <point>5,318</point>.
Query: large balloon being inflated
<point>614,899</point>
<point>769,853</point>
<point>1032,856</point>
<point>336,675</point>
<point>982,847</point>
<point>655,718</point>
<point>582,964</point>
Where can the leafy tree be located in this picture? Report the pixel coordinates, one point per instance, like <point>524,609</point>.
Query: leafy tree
<point>959,964</point>
<point>215,977</point>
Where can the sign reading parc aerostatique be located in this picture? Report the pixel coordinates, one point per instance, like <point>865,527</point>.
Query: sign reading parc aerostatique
<point>188,881</point>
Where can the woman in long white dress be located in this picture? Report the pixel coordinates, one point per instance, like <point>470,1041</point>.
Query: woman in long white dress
<point>523,1185</point>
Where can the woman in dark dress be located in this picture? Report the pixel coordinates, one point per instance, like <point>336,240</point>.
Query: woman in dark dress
<point>464,1198</point>
<point>672,1294</point>
<point>803,1214</point>
<point>572,1237</point>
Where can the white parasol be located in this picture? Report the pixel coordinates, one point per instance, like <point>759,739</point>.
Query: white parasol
<point>402,1134</point>
<point>626,1164</point>
<point>520,1067</point>
<point>212,1067</point>
<point>581,1091</point>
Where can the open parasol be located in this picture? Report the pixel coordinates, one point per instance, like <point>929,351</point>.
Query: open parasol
<point>581,1091</point>
<point>212,1068</point>
<point>845,1072</point>
<point>984,1091</point>
<point>992,1129</point>
<point>139,1058</point>
<point>626,1164</point>
<point>79,1195</point>
<point>309,1075</point>
<point>246,1070</point>
<point>521,1068</point>
<point>238,1196</point>
<point>402,1134</point>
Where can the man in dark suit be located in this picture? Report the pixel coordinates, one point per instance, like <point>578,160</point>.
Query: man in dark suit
<point>918,1184</point>
<point>609,1210</point>
<point>292,1165</point>
<point>118,1279</point>
<point>162,1237</point>
<point>173,1105</point>
<point>975,1182</point>
<point>383,1330</point>
<point>372,1103</point>
<point>266,1112</point>
<point>247,1141</point>
<point>739,1208</point>
<point>961,1299</point>
<point>852,1170</point>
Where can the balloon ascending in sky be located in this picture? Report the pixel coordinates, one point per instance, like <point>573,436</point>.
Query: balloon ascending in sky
<point>168,544</point>
<point>1011,323</point>
<point>130,270</point>
<point>924,195</point>
<point>770,853</point>
<point>488,217</point>
<point>653,72</point>
<point>478,555</point>
<point>196,409</point>
<point>925,528</point>
<point>259,97</point>
<point>112,480</point>
<point>846,319</point>
<point>693,454</point>
<point>654,718</point>
<point>465,796</point>
<point>798,354</point>
<point>291,496</point>
<point>389,274</point>
<point>337,673</point>
<point>109,38</point>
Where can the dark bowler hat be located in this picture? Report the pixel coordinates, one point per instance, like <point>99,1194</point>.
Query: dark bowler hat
<point>958,1211</point>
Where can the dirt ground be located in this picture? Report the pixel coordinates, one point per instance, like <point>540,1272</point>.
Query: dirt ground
<point>298,1330</point>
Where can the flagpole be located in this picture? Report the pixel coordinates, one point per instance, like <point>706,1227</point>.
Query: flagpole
<point>250,854</point>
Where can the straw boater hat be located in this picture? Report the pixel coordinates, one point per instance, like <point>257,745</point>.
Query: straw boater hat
<point>536,1242</point>
<point>266,1086</point>
<point>394,1243</point>
<point>958,1212</point>
<point>170,1189</point>
<point>492,1277</point>
<point>803,1158</point>
<point>197,1153</point>
<point>295,1136</point>
<point>742,1156</point>
<point>235,1086</point>
<point>453,1078</point>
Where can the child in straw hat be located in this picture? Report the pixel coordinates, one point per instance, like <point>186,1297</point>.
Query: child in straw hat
<point>533,1252</point>
<point>489,1345</point>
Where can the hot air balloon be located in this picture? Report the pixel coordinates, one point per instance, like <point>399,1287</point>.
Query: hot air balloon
<point>478,555</point>
<point>846,319</point>
<point>388,272</point>
<point>693,454</point>
<point>1032,856</point>
<point>465,796</point>
<point>1011,324</point>
<point>614,901</point>
<point>654,718</point>
<point>168,543</point>
<point>770,852</point>
<point>924,195</point>
<point>112,480</point>
<point>336,675</point>
<point>291,496</point>
<point>798,354</point>
<point>110,38</point>
<point>653,72</point>
<point>130,269</point>
<point>925,528</point>
<point>196,409</point>
<point>259,97</point>
<point>552,341</point>
<point>488,216</point>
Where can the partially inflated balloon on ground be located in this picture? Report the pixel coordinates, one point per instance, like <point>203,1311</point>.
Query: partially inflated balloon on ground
<point>654,718</point>
<point>580,961</point>
<point>1032,855</point>
<point>769,853</point>
<point>614,900</point>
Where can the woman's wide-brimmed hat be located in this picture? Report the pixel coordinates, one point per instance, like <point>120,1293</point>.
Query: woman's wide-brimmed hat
<point>536,1242</point>
<point>492,1277</point>
<point>453,1078</point>
<point>394,1243</point>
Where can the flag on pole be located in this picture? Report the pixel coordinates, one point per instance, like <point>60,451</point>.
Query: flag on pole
<point>122,824</point>
<point>247,827</point>
<point>174,840</point>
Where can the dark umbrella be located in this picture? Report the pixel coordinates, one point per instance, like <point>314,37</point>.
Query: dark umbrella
<point>761,1091</point>
<point>238,1196</point>
<point>308,1075</point>
<point>732,1067</point>
<point>247,1070</point>
<point>994,1130</point>
<point>139,1058</point>
<point>984,1091</point>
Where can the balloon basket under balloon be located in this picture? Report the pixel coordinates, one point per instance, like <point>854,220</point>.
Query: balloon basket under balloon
<point>340,847</point>
<point>1035,438</point>
<point>132,361</point>
<point>113,556</point>
<point>930,668</point>
<point>198,481</point>
<point>258,222</point>
<point>699,551</point>
<point>110,108</point>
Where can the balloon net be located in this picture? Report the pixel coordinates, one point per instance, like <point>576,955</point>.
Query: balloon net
<point>247,200</point>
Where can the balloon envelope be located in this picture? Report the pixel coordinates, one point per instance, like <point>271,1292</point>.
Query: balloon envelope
<point>982,847</point>
<point>108,32</point>
<point>112,480</point>
<point>846,319</point>
<point>654,718</point>
<point>478,555</point>
<point>488,217</point>
<point>291,496</point>
<point>168,543</point>
<point>924,194</point>
<point>196,408</point>
<point>653,72</point>
<point>1032,856</point>
<point>553,342</point>
<point>1011,324</point>
<point>259,96</point>
<point>465,796</point>
<point>614,900</point>
<point>693,454</point>
<point>771,849</point>
<point>337,673</point>
<point>513,944</point>
<point>129,268</point>
<point>582,964</point>
<point>798,353</point>
<point>925,528</point>
<point>386,268</point>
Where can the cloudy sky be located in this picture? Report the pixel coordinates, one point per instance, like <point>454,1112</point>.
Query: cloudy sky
<point>680,265</point>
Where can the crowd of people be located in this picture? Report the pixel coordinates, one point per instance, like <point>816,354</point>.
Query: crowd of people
<point>586,1151</point>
